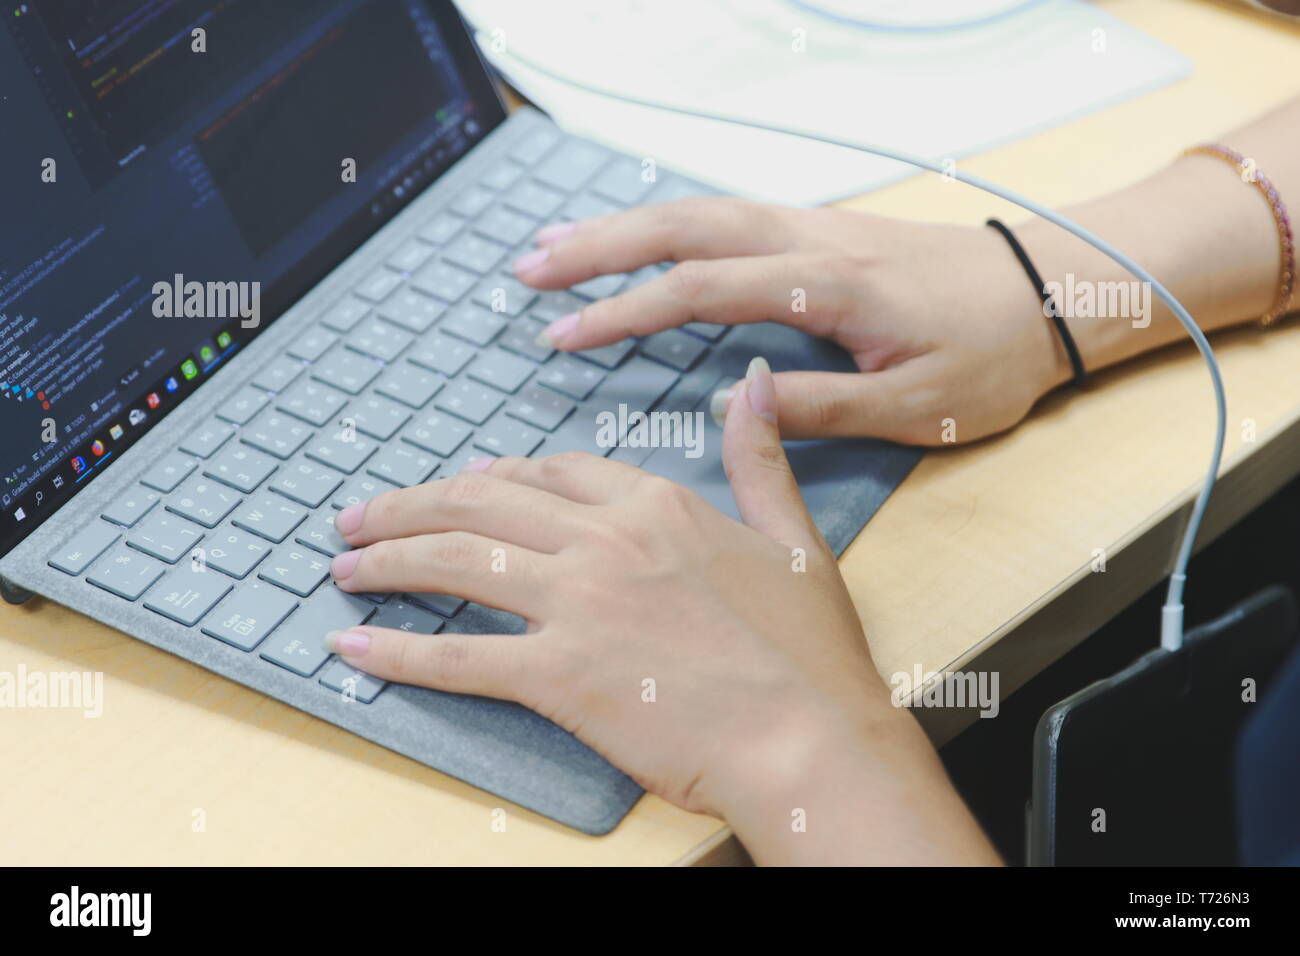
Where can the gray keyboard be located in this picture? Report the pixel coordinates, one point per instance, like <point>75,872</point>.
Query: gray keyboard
<point>429,361</point>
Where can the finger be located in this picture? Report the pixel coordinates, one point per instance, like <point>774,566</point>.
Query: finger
<point>489,665</point>
<point>762,483</point>
<point>471,501</point>
<point>697,228</point>
<point>576,475</point>
<point>893,404</point>
<point>726,291</point>
<point>470,566</point>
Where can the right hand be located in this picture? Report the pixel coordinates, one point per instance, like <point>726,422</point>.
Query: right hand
<point>940,319</point>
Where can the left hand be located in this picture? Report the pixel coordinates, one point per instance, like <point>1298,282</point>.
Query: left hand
<point>624,578</point>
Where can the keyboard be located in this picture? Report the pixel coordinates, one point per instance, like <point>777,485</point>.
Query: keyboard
<point>430,360</point>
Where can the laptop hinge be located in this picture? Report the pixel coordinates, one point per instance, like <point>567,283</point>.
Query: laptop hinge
<point>12,592</point>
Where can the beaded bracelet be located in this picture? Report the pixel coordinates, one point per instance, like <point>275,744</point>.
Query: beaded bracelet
<point>1248,173</point>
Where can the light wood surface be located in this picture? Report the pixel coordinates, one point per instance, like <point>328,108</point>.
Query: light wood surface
<point>980,559</point>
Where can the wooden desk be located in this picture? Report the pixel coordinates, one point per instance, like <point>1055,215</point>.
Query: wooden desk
<point>981,559</point>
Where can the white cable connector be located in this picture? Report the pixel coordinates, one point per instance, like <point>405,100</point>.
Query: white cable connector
<point>1171,619</point>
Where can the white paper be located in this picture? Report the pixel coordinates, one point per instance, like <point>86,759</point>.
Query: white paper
<point>943,94</point>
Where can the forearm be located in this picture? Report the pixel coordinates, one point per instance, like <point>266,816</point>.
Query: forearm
<point>1207,235</point>
<point>867,792</point>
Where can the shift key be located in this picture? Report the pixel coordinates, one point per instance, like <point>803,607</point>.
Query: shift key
<point>299,643</point>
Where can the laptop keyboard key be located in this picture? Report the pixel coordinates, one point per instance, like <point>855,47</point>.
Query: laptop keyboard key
<point>299,643</point>
<point>359,489</point>
<point>571,165</point>
<point>351,683</point>
<point>207,438</point>
<point>311,401</point>
<point>279,373</point>
<point>345,369</point>
<point>346,456</point>
<point>269,516</point>
<point>312,345</point>
<point>437,432</point>
<point>474,253</point>
<point>413,311</point>
<point>319,535</point>
<point>501,370</point>
<point>241,467</point>
<point>674,348</point>
<point>170,472</point>
<point>243,405</point>
<point>276,433</point>
<point>126,573</point>
<point>410,256</point>
<point>505,225</point>
<point>344,315</point>
<point>472,202</point>
<point>204,501</point>
<point>379,339</point>
<point>503,295</point>
<point>402,464</point>
<point>531,197</point>
<point>441,228</point>
<point>609,356</point>
<point>165,536</point>
<point>84,547</point>
<point>404,616</point>
<point>555,305</point>
<point>601,287</point>
<point>444,281</point>
<point>295,569</point>
<point>443,354</point>
<point>186,594</point>
<point>378,417</point>
<point>541,407</point>
<point>623,182</point>
<point>472,323</point>
<point>508,436</point>
<point>409,384</point>
<point>445,604</point>
<point>520,337</point>
<point>379,285</point>
<point>306,483</point>
<point>567,375</point>
<point>247,615</point>
<point>469,400</point>
<point>132,506</point>
<point>235,552</point>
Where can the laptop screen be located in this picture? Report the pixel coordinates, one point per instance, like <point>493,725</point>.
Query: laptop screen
<point>175,174</point>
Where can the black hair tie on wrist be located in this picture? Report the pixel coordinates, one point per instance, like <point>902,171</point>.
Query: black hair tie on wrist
<point>1049,304</point>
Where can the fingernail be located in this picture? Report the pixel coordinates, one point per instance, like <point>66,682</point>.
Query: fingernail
<point>479,464</point>
<point>531,260</point>
<point>557,330</point>
<point>347,643</point>
<point>718,404</point>
<point>349,519</point>
<point>555,231</point>
<point>343,565</point>
<point>762,390</point>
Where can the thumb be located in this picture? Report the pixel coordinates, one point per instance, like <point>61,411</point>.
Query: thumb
<point>764,487</point>
<point>847,405</point>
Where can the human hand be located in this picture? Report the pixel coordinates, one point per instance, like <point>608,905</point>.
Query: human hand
<point>940,319</point>
<point>764,697</point>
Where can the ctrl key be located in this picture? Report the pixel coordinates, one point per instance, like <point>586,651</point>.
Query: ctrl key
<point>126,572</point>
<point>245,617</point>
